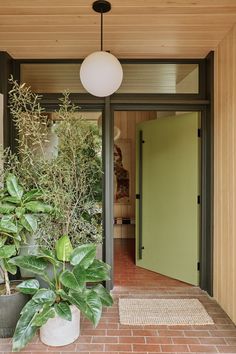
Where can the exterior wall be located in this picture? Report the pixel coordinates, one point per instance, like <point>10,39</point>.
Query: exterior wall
<point>225,175</point>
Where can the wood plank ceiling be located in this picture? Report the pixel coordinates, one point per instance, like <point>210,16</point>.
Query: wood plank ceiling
<point>133,28</point>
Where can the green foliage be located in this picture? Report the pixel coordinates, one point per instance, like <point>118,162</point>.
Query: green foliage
<point>67,287</point>
<point>16,220</point>
<point>70,178</point>
<point>64,248</point>
<point>28,286</point>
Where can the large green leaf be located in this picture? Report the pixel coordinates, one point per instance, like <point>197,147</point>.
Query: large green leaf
<point>64,248</point>
<point>83,255</point>
<point>49,255</point>
<point>30,286</point>
<point>90,305</point>
<point>38,207</point>
<point>43,316</point>
<point>7,208</point>
<point>44,296</point>
<point>14,189</point>
<point>31,263</point>
<point>32,195</point>
<point>80,274</point>
<point>10,268</point>
<point>7,251</point>
<point>69,280</point>
<point>104,295</point>
<point>25,331</point>
<point>29,222</point>
<point>2,240</point>
<point>7,225</point>
<point>13,200</point>
<point>31,306</point>
<point>63,310</point>
<point>98,271</point>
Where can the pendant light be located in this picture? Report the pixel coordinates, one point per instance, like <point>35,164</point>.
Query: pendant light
<point>101,73</point>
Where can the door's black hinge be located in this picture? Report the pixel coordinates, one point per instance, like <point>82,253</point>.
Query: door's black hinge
<point>137,196</point>
<point>199,133</point>
<point>199,199</point>
<point>198,266</point>
<point>143,141</point>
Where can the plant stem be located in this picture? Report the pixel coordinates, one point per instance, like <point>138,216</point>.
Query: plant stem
<point>55,277</point>
<point>7,282</point>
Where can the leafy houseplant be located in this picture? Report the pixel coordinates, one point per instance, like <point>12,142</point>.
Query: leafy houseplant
<point>18,210</point>
<point>71,178</point>
<point>18,216</point>
<point>67,291</point>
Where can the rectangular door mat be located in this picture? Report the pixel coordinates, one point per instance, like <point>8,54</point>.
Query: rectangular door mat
<point>163,312</point>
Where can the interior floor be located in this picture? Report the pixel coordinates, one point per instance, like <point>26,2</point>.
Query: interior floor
<point>126,273</point>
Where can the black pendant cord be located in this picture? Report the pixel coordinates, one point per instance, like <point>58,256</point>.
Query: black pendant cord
<point>101,6</point>
<point>101,31</point>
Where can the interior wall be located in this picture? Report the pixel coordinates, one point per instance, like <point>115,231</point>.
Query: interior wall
<point>126,122</point>
<point>225,175</point>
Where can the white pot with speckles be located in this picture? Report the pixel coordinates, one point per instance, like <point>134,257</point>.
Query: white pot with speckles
<point>57,331</point>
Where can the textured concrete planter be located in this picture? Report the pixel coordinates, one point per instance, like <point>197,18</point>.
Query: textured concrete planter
<point>58,332</point>
<point>27,249</point>
<point>99,251</point>
<point>10,308</point>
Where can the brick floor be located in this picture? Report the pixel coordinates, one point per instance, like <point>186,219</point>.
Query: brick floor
<point>112,337</point>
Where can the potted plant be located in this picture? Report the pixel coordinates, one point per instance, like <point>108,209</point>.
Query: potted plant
<point>18,216</point>
<point>71,177</point>
<point>56,310</point>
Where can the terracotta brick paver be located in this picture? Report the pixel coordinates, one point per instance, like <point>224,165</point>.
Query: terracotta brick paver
<point>112,337</point>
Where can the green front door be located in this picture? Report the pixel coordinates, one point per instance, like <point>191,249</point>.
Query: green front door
<point>168,210</point>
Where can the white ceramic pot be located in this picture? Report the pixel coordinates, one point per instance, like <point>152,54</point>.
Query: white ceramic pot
<point>57,331</point>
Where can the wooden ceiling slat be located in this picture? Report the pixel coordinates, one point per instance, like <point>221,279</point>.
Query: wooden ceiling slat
<point>133,28</point>
<point>119,21</point>
<point>164,28</point>
<point>116,3</point>
<point>95,44</point>
<point>131,11</point>
<point>124,36</point>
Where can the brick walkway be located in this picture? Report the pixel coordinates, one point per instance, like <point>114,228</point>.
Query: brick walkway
<point>111,337</point>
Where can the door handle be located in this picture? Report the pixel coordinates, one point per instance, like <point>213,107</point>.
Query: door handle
<point>139,196</point>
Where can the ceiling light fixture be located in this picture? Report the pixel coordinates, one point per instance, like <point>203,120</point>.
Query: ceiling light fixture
<point>101,73</point>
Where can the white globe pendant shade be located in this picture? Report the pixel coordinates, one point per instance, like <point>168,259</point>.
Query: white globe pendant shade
<point>101,74</point>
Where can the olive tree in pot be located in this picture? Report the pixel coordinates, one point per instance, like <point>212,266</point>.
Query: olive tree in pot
<point>71,177</point>
<point>18,216</point>
<point>56,310</point>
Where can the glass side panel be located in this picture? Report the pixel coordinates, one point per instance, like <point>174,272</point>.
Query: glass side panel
<point>160,78</point>
<point>73,151</point>
<point>138,78</point>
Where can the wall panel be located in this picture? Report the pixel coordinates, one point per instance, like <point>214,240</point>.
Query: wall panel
<point>126,122</point>
<point>225,175</point>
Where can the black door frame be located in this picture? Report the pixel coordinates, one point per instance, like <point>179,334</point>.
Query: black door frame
<point>203,101</point>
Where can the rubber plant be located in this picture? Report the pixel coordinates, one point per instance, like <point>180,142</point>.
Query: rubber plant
<point>18,216</point>
<point>72,269</point>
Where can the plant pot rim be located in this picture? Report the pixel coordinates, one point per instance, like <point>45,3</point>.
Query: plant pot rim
<point>13,294</point>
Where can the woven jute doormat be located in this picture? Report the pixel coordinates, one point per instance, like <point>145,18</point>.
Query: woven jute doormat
<point>163,312</point>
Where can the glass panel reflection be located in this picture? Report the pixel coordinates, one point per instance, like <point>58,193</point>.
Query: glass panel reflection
<point>138,78</point>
